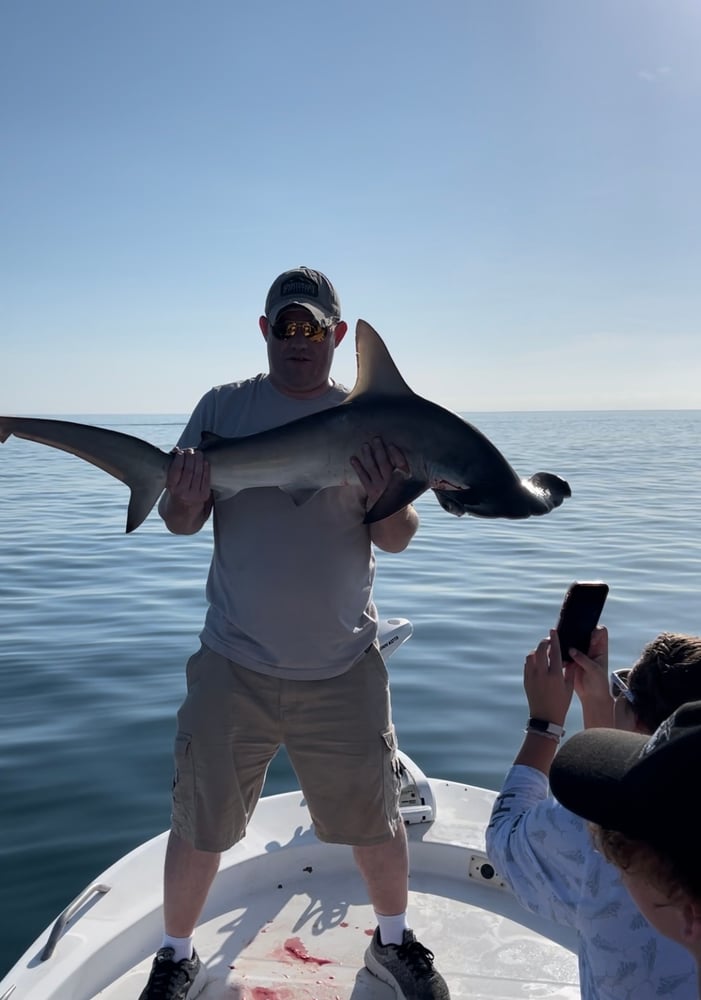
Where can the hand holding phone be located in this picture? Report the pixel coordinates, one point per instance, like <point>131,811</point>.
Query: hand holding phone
<point>579,615</point>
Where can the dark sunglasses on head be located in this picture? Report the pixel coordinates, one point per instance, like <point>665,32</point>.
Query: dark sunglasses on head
<point>285,329</point>
<point>618,684</point>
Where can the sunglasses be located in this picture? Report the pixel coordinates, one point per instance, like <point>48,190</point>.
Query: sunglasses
<point>618,684</point>
<point>311,330</point>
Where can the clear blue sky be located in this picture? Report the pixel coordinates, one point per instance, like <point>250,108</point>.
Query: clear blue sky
<point>508,190</point>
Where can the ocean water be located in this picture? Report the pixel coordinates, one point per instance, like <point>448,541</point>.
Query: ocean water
<point>96,626</point>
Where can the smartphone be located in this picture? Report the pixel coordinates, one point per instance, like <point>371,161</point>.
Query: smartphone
<point>579,615</point>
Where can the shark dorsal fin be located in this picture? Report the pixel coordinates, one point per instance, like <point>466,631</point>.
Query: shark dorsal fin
<point>377,373</point>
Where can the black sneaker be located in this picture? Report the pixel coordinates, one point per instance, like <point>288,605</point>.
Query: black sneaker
<point>407,968</point>
<point>171,980</point>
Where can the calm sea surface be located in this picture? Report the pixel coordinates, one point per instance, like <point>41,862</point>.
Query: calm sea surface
<point>96,626</point>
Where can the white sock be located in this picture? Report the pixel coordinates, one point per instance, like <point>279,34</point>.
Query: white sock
<point>392,928</point>
<point>181,946</point>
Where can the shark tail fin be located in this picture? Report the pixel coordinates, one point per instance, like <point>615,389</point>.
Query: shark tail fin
<point>138,464</point>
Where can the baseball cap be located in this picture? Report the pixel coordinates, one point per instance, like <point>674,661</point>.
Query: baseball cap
<point>305,287</point>
<point>641,786</point>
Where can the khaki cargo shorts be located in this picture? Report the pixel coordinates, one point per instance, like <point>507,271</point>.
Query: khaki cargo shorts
<point>338,735</point>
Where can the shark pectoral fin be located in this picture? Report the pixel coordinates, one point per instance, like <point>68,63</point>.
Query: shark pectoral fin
<point>399,493</point>
<point>141,503</point>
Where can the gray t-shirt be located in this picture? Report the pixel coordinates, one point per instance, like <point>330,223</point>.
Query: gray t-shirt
<point>289,587</point>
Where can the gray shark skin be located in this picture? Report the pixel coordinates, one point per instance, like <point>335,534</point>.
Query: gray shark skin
<point>444,452</point>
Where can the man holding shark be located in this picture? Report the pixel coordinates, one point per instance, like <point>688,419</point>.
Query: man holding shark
<point>288,653</point>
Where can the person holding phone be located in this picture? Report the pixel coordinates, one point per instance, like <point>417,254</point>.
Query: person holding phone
<point>545,852</point>
<point>633,790</point>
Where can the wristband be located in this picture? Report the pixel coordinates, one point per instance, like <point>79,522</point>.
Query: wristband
<point>546,728</point>
<point>542,732</point>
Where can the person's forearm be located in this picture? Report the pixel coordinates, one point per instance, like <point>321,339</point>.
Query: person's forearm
<point>548,688</point>
<point>394,533</point>
<point>597,714</point>
<point>181,518</point>
<point>537,751</point>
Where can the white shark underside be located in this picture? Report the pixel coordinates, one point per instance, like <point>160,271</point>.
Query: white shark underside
<point>443,451</point>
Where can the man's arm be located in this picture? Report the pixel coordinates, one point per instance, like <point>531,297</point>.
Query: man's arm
<point>394,533</point>
<point>187,501</point>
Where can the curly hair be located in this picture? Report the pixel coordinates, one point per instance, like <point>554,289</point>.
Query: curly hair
<point>666,674</point>
<point>676,879</point>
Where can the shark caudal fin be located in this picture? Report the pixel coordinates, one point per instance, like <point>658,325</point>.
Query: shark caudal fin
<point>138,464</point>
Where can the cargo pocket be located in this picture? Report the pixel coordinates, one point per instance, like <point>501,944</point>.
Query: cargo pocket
<point>183,787</point>
<point>391,775</point>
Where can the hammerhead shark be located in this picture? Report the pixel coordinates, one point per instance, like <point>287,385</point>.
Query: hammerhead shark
<point>445,453</point>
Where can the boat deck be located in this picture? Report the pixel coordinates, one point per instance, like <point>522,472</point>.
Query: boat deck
<point>288,918</point>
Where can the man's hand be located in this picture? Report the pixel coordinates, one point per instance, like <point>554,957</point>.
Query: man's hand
<point>188,477</point>
<point>187,501</point>
<point>375,466</point>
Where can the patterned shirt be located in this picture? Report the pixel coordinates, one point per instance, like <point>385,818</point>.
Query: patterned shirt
<point>545,854</point>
